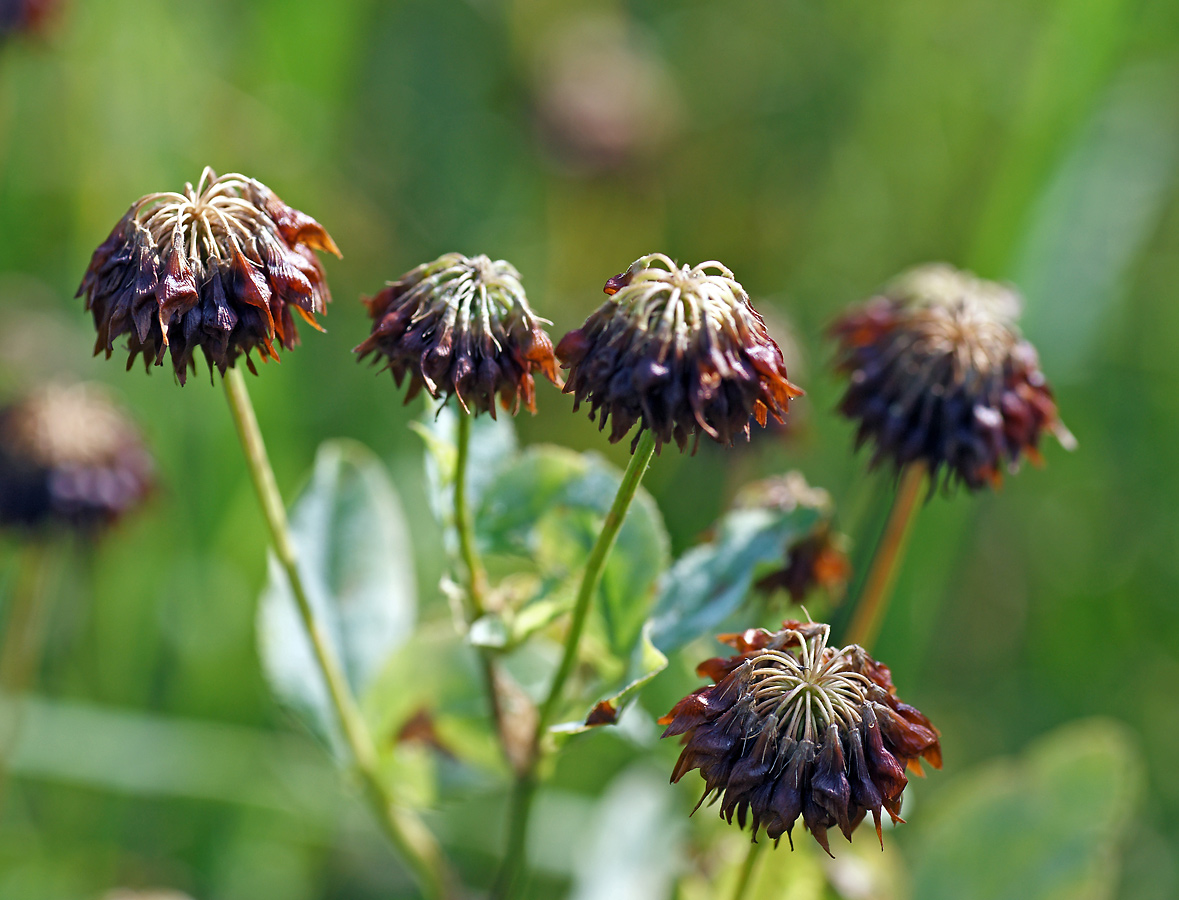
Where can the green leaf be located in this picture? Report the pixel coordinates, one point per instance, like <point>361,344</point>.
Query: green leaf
<point>356,562</point>
<point>1046,826</point>
<point>647,661</point>
<point>709,583</point>
<point>545,509</point>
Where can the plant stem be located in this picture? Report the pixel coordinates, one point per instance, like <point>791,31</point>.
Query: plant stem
<point>476,592</point>
<point>406,831</point>
<point>20,652</point>
<point>886,560</point>
<point>526,782</point>
<point>475,601</point>
<point>745,877</point>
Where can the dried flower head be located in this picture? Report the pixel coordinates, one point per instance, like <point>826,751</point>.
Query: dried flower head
<point>603,95</point>
<point>817,560</point>
<point>220,267</point>
<point>793,727</point>
<point>939,373</point>
<point>69,457</point>
<point>462,326</point>
<point>678,350</point>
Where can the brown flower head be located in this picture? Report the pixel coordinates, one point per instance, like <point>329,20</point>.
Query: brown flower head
<point>818,560</point>
<point>792,727</point>
<point>462,326</point>
<point>939,373</point>
<point>678,350</point>
<point>69,458</point>
<point>220,267</point>
<point>817,557</point>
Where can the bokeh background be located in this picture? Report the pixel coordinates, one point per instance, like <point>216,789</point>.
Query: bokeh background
<point>817,149</point>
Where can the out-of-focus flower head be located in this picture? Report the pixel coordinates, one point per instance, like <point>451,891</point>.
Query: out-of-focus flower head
<point>791,727</point>
<point>817,558</point>
<point>221,267</point>
<point>677,350</point>
<point>939,373</point>
<point>69,458</point>
<point>604,97</point>
<point>462,326</point>
<point>25,16</point>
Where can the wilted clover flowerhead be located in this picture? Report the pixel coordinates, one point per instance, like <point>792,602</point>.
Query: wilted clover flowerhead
<point>70,458</point>
<point>677,350</point>
<point>220,267</point>
<point>462,326</point>
<point>792,727</point>
<point>939,373</point>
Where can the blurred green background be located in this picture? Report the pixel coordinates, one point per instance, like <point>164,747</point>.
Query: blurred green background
<point>816,149</point>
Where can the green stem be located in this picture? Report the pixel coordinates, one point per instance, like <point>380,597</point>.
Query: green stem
<point>745,877</point>
<point>20,652</point>
<point>886,560</point>
<point>527,780</point>
<point>406,831</point>
<point>476,593</point>
<point>475,596</point>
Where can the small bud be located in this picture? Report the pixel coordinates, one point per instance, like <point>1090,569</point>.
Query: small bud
<point>678,350</point>
<point>794,728</point>
<point>224,267</point>
<point>939,373</point>
<point>69,458</point>
<point>462,326</point>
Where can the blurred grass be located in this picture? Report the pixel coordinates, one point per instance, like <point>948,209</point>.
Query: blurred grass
<point>817,150</point>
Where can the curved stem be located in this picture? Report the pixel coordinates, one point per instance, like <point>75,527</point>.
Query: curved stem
<point>407,833</point>
<point>745,877</point>
<point>527,780</point>
<point>882,574</point>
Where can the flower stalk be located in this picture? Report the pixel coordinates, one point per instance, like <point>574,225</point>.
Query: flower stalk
<point>745,876</point>
<point>20,652</point>
<point>524,789</point>
<point>475,595</point>
<point>886,560</point>
<point>405,830</point>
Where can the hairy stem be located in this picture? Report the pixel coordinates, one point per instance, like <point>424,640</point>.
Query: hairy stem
<point>405,830</point>
<point>886,561</point>
<point>527,780</point>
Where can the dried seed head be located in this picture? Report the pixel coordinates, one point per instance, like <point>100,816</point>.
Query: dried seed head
<point>70,458</point>
<point>678,350</point>
<point>817,560</point>
<point>220,267</point>
<point>816,557</point>
<point>939,373</point>
<point>793,728</point>
<point>462,326</point>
